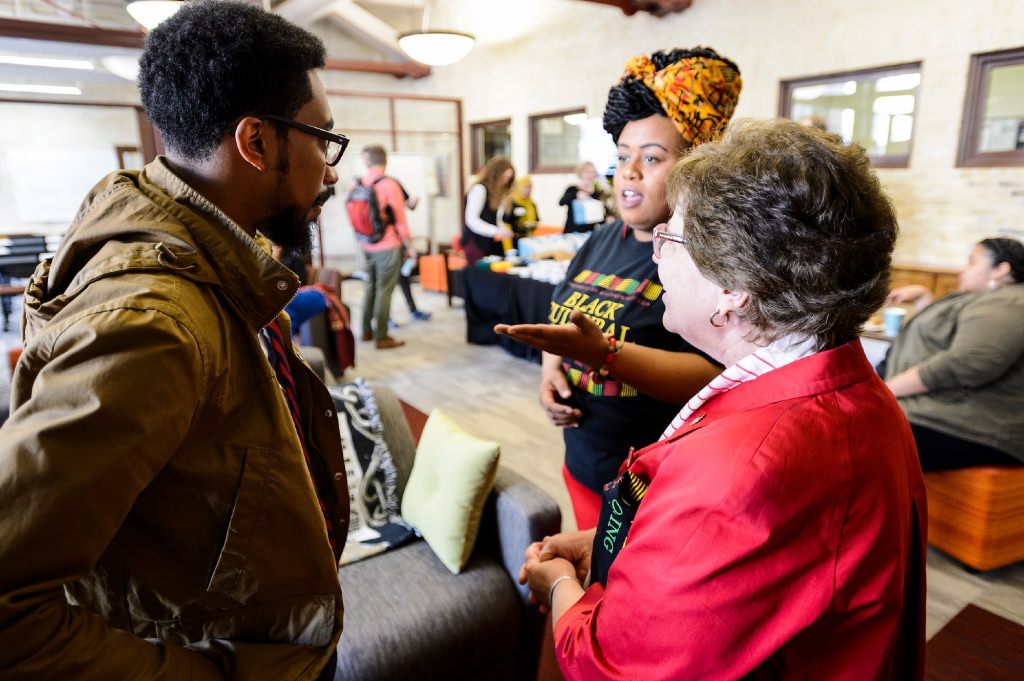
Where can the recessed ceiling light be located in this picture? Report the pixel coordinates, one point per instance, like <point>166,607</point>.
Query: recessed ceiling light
<point>40,89</point>
<point>81,64</point>
<point>435,47</point>
<point>123,66</point>
<point>150,13</point>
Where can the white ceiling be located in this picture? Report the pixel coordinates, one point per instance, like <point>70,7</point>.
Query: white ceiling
<point>362,29</point>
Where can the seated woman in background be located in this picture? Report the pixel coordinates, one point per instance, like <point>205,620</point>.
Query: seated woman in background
<point>777,529</point>
<point>521,215</point>
<point>586,188</point>
<point>484,227</point>
<point>957,367</point>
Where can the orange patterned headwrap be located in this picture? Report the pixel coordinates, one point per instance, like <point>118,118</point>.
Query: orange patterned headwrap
<point>697,93</point>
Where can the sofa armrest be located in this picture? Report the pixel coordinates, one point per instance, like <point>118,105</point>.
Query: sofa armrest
<point>317,361</point>
<point>517,514</point>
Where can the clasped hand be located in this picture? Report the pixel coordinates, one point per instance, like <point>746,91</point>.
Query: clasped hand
<point>567,553</point>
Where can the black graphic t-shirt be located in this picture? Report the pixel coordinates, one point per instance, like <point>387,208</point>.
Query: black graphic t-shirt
<point>613,281</point>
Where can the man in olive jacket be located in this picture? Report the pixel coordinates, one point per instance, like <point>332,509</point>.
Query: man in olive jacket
<point>171,493</point>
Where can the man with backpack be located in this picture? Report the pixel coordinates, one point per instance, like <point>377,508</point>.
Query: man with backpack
<point>378,218</point>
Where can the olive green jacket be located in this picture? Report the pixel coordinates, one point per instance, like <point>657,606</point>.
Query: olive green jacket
<point>158,517</point>
<point>969,350</point>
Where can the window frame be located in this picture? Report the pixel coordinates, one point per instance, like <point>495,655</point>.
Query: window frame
<point>978,80</point>
<point>534,147</point>
<point>474,147</point>
<point>787,86</point>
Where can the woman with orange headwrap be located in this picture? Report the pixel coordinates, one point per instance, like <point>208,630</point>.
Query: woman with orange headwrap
<point>614,377</point>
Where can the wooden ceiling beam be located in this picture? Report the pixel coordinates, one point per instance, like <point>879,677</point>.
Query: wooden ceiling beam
<point>70,33</point>
<point>407,69</point>
<point>658,8</point>
<point>87,35</point>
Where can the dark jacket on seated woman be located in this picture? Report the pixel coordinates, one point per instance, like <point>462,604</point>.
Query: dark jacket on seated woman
<point>968,350</point>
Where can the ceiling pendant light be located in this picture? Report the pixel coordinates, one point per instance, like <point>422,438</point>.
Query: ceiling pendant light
<point>435,47</point>
<point>150,13</point>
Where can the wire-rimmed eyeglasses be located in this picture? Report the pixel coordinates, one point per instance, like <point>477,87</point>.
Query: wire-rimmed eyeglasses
<point>336,142</point>
<point>661,236</point>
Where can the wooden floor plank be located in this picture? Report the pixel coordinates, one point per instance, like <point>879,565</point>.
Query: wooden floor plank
<point>976,645</point>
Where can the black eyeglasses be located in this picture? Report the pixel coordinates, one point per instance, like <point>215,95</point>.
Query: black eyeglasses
<point>336,143</point>
<point>661,236</point>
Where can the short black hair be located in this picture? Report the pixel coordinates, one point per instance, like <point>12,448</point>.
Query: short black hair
<point>1010,251</point>
<point>214,62</point>
<point>631,100</point>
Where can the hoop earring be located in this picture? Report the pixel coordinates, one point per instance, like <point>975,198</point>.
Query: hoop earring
<point>714,314</point>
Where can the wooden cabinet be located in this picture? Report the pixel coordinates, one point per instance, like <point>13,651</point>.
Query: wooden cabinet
<point>939,280</point>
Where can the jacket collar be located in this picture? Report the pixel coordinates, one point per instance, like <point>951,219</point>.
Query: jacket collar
<point>813,375</point>
<point>129,214</point>
<point>259,285</point>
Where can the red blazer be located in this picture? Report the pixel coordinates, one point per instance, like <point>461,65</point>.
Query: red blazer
<point>783,536</point>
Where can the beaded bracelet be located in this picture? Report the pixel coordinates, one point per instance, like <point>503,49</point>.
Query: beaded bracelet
<point>602,372</point>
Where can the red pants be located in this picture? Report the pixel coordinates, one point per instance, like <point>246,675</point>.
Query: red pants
<point>586,504</point>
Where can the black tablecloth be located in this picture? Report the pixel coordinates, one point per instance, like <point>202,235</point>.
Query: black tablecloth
<point>493,298</point>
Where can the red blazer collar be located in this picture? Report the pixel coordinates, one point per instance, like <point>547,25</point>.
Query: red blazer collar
<point>821,372</point>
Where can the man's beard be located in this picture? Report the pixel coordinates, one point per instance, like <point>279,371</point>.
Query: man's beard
<point>290,230</point>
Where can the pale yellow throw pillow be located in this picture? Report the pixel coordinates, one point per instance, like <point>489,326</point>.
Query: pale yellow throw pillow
<point>451,477</point>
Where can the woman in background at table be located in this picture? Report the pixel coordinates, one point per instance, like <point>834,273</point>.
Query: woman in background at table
<point>957,366</point>
<point>607,396</point>
<point>522,214</point>
<point>586,188</point>
<point>484,225</point>
<point>776,531</point>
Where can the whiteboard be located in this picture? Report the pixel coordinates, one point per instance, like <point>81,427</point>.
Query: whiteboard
<point>414,171</point>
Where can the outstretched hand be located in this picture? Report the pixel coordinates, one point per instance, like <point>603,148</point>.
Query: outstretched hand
<point>581,339</point>
<point>907,294</point>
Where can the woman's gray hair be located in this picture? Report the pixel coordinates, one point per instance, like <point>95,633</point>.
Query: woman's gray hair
<point>794,217</point>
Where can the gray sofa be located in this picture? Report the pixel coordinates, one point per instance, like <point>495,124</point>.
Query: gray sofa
<point>408,617</point>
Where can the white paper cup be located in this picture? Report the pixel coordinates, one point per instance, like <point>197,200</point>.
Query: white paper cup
<point>892,319</point>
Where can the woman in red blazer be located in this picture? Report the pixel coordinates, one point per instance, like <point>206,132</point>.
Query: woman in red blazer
<point>777,529</point>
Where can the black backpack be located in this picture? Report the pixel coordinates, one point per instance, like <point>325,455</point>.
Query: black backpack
<point>367,219</point>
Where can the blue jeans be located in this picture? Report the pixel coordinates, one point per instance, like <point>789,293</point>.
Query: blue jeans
<point>304,305</point>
